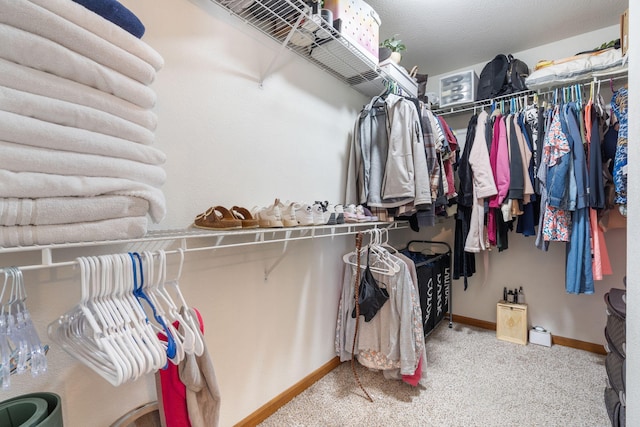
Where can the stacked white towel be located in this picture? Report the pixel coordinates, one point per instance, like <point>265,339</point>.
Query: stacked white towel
<point>76,127</point>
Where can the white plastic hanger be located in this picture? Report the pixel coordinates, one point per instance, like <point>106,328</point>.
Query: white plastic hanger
<point>139,318</point>
<point>187,313</point>
<point>382,262</point>
<point>79,333</point>
<point>184,340</point>
<point>185,331</point>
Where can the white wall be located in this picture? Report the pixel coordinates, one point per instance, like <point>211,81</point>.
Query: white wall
<point>230,142</point>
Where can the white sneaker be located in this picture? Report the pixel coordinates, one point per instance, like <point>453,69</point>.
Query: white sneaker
<point>330,215</point>
<point>304,214</point>
<point>318,214</point>
<point>268,217</point>
<point>288,214</point>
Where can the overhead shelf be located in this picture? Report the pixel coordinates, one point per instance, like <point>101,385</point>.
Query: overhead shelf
<point>292,24</point>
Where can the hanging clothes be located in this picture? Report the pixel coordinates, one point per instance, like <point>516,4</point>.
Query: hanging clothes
<point>464,262</point>
<point>190,395</point>
<point>394,338</point>
<point>579,269</point>
<point>556,221</point>
<point>387,161</point>
<point>483,186</point>
<point>620,106</point>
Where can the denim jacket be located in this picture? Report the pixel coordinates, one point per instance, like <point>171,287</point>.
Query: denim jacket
<point>559,161</point>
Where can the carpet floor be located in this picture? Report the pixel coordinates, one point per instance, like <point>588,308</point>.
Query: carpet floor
<point>473,379</point>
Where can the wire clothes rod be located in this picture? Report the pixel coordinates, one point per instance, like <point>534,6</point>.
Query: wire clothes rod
<point>306,233</point>
<point>596,78</point>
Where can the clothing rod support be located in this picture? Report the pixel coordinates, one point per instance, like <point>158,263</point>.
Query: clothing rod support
<point>268,271</point>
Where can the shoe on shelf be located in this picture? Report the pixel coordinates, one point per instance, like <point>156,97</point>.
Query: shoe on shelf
<point>268,217</point>
<point>370,215</point>
<point>318,214</point>
<point>350,214</point>
<point>328,212</point>
<point>330,215</point>
<point>339,214</point>
<point>304,213</point>
<point>288,214</point>
<point>217,218</point>
<point>243,214</point>
<point>361,215</point>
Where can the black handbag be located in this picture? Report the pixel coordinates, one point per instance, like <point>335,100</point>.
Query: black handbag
<point>371,297</point>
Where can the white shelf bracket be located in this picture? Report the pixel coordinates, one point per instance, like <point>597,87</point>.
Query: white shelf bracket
<point>282,48</point>
<point>285,245</point>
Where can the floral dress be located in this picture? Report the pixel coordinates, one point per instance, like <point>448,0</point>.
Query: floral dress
<point>557,222</point>
<point>619,105</point>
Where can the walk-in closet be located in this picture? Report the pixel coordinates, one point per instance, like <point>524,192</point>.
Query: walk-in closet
<point>198,222</point>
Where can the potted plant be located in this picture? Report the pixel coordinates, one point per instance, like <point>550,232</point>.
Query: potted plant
<point>392,48</point>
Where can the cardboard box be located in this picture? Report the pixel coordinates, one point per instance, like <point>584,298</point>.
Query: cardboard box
<point>540,337</point>
<point>511,324</point>
<point>624,31</point>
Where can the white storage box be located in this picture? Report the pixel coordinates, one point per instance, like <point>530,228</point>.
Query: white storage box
<point>458,88</point>
<point>540,337</point>
<point>408,84</point>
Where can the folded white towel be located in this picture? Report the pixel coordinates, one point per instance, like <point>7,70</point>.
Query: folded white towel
<point>72,115</point>
<point>37,20</point>
<point>35,185</point>
<point>26,79</point>
<point>37,133</point>
<point>24,158</point>
<point>67,210</point>
<point>91,21</point>
<point>108,229</point>
<point>37,52</point>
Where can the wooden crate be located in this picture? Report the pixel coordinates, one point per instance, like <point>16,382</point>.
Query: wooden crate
<point>511,323</point>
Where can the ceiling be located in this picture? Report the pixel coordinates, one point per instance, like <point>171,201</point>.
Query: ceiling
<point>444,35</point>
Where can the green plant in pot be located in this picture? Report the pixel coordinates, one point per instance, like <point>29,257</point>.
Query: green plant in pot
<point>392,48</point>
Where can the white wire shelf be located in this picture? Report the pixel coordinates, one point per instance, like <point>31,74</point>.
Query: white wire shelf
<point>292,24</point>
<point>187,240</point>
<point>603,76</point>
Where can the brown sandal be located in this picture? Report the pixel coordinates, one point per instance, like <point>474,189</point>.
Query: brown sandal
<point>243,214</point>
<point>217,218</point>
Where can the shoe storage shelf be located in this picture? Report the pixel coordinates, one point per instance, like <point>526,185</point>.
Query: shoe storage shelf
<point>189,240</point>
<point>293,25</point>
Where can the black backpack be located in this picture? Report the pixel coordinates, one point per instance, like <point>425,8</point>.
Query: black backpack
<point>517,73</point>
<point>501,76</point>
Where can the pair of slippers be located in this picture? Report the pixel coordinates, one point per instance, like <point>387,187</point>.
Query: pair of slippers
<point>221,218</point>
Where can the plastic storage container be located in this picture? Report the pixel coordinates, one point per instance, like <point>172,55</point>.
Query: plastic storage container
<point>458,88</point>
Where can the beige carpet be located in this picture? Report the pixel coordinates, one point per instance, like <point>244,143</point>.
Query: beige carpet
<point>473,379</point>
